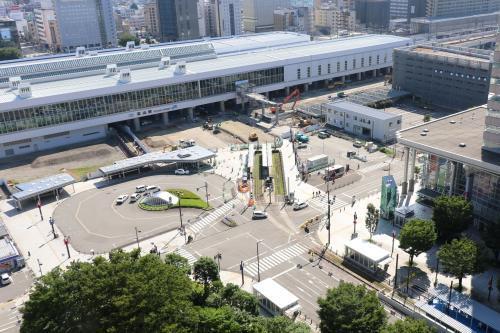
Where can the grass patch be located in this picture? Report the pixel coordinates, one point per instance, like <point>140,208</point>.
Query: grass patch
<point>279,186</point>
<point>79,173</point>
<point>257,181</point>
<point>387,151</point>
<point>189,199</point>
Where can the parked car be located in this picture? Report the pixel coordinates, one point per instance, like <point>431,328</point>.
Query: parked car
<point>323,135</point>
<point>259,214</point>
<point>134,197</point>
<point>302,145</point>
<point>300,205</point>
<point>357,144</point>
<point>140,189</point>
<point>5,279</point>
<point>181,172</point>
<point>121,199</point>
<point>152,189</point>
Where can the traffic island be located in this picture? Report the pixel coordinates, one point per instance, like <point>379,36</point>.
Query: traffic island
<point>172,198</point>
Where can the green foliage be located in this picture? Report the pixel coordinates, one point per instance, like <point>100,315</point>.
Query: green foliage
<point>417,236</point>
<point>351,308</point>
<point>150,208</point>
<point>127,293</point>
<point>179,262</point>
<point>491,237</point>
<point>205,271</point>
<point>279,187</point>
<point>427,118</point>
<point>389,152</point>
<point>417,169</point>
<point>234,297</point>
<point>408,325</point>
<point>372,218</point>
<point>189,199</point>
<point>460,257</point>
<point>451,215</point>
<point>9,53</point>
<point>134,6</point>
<point>257,181</point>
<point>126,37</point>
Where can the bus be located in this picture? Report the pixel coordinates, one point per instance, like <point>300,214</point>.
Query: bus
<point>334,172</point>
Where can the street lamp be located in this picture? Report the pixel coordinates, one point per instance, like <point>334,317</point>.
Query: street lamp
<point>179,204</point>
<point>39,266</point>
<point>51,221</point>
<point>206,190</point>
<point>437,270</point>
<point>393,237</point>
<point>242,274</point>
<point>66,242</point>
<point>258,261</point>
<point>137,231</point>
<point>354,223</point>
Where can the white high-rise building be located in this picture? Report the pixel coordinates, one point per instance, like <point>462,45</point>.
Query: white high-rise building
<point>223,17</point>
<point>88,23</point>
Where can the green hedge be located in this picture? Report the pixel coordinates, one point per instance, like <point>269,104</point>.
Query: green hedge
<point>153,208</point>
<point>188,200</point>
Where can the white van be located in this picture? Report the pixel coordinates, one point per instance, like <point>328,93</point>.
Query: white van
<point>5,279</point>
<point>140,189</point>
<point>259,214</point>
<point>152,189</point>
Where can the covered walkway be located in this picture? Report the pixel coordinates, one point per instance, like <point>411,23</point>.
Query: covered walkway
<point>39,187</point>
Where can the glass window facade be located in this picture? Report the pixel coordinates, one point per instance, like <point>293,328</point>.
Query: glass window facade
<point>59,113</point>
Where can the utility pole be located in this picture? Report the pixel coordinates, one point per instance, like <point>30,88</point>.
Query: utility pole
<point>180,208</point>
<point>66,242</point>
<point>39,266</point>
<point>258,262</point>
<point>206,190</point>
<point>437,270</point>
<point>393,237</point>
<point>137,231</point>
<point>51,221</point>
<point>242,274</point>
<point>396,273</point>
<point>328,226</point>
<point>39,205</point>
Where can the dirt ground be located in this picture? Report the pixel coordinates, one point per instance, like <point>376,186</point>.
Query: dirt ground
<point>243,130</point>
<point>77,160</point>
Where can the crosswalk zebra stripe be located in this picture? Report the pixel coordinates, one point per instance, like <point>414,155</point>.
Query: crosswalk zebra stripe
<point>275,259</point>
<point>196,227</point>
<point>186,254</point>
<point>321,203</point>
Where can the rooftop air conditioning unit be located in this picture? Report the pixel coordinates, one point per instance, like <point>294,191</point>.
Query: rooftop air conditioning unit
<point>180,67</point>
<point>25,90</point>
<point>144,46</point>
<point>125,75</point>
<point>111,70</point>
<point>80,51</point>
<point>130,46</point>
<point>164,63</point>
<point>14,82</point>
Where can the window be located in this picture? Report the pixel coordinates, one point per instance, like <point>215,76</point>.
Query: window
<point>353,63</point>
<point>390,124</point>
<point>369,60</point>
<point>362,62</point>
<point>378,59</point>
<point>399,121</point>
<point>355,118</point>
<point>329,68</point>
<point>385,58</point>
<point>308,71</point>
<point>298,74</point>
<point>319,70</point>
<point>338,66</point>
<point>345,65</point>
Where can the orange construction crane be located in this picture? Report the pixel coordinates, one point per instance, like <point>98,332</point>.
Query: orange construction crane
<point>294,94</point>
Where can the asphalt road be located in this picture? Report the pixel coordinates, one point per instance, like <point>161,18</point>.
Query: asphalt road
<point>94,221</point>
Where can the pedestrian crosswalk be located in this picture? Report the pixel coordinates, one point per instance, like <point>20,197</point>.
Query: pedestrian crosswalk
<point>321,203</point>
<point>275,259</point>
<point>207,220</point>
<point>186,254</point>
<point>374,167</point>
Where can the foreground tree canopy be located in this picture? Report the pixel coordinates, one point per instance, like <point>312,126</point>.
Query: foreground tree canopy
<point>416,237</point>
<point>130,293</point>
<point>350,308</point>
<point>408,325</point>
<point>451,215</point>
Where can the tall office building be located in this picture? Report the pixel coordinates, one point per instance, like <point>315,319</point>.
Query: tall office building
<point>491,136</point>
<point>88,23</point>
<point>407,8</point>
<point>373,13</point>
<point>178,19</point>
<point>223,17</point>
<point>151,19</point>
<point>457,8</point>
<point>258,15</point>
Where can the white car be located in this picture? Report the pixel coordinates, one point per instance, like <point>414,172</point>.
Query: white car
<point>258,214</point>
<point>152,189</point>
<point>299,205</point>
<point>181,172</point>
<point>6,279</point>
<point>121,199</point>
<point>134,197</point>
<point>140,189</point>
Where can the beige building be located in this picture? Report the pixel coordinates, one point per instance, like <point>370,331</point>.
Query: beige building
<point>332,19</point>
<point>151,22</point>
<point>47,33</point>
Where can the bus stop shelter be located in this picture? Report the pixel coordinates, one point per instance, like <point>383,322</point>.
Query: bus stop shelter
<point>274,298</point>
<point>367,256</point>
<point>37,188</point>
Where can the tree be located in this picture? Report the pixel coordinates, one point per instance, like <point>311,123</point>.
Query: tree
<point>460,258</point>
<point>351,308</point>
<point>237,298</point>
<point>133,6</point>
<point>427,118</point>
<point>451,215</point>
<point>372,218</point>
<point>179,262</point>
<point>9,53</point>
<point>491,238</point>
<point>205,271</point>
<point>417,236</point>
<point>408,325</point>
<point>417,170</point>
<point>126,293</point>
<point>127,37</point>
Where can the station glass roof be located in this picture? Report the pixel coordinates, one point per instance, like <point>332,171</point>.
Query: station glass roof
<point>41,186</point>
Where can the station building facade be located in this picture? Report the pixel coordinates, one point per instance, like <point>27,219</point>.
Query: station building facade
<point>54,101</point>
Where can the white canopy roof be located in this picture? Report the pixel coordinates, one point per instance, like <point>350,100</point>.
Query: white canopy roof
<point>369,250</point>
<point>275,293</point>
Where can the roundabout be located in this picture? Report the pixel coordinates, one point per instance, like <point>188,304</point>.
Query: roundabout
<point>97,224</point>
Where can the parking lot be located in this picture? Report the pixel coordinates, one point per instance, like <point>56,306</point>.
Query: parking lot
<point>95,222</point>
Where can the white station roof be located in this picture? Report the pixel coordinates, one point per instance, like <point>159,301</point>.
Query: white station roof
<point>275,293</point>
<point>369,250</point>
<point>42,186</point>
<point>186,155</point>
